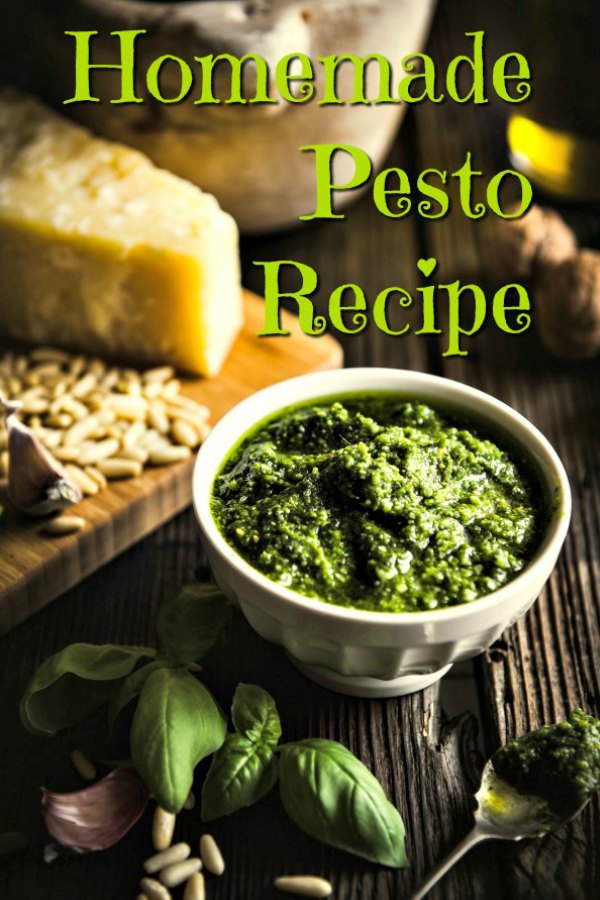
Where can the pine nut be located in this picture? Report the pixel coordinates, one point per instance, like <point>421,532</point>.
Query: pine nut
<point>157,416</point>
<point>64,525</point>
<point>303,885</point>
<point>190,801</point>
<point>179,872</point>
<point>152,391</point>
<point>171,389</point>
<point>83,766</point>
<point>69,404</point>
<point>211,855</point>
<point>164,456</point>
<point>184,433</point>
<point>174,854</point>
<point>33,406</point>
<point>154,890</point>
<point>106,416</point>
<point>93,453</point>
<point>97,367</point>
<point>133,435</point>
<point>4,464</point>
<point>96,475</point>
<point>84,386</point>
<point>66,454</point>
<point>151,438</point>
<point>49,354</point>
<point>139,454</point>
<point>51,438</point>
<point>86,485</point>
<point>59,420</point>
<point>195,888</point>
<point>163,826</point>
<point>76,366</point>
<point>80,431</point>
<point>127,407</point>
<point>116,468</point>
<point>141,897</point>
<point>45,370</point>
<point>160,374</point>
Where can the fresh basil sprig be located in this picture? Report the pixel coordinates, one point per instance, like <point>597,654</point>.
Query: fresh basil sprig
<point>333,797</point>
<point>130,688</point>
<point>245,768</point>
<point>189,621</point>
<point>324,788</point>
<point>177,723</point>
<point>75,682</point>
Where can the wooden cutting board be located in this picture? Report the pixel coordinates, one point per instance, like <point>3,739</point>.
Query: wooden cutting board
<point>35,568</point>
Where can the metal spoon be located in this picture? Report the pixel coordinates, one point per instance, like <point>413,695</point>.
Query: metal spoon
<point>501,813</point>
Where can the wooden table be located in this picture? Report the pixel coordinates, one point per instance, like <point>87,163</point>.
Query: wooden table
<point>545,665</point>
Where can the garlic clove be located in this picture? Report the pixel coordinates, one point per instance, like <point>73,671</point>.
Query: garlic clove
<point>37,483</point>
<point>97,816</point>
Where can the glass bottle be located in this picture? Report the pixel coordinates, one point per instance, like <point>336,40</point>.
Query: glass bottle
<point>554,136</point>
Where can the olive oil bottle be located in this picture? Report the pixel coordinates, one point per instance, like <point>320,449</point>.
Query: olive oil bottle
<point>554,138</point>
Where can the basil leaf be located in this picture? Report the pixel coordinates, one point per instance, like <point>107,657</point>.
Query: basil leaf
<point>189,621</point>
<point>241,773</point>
<point>255,715</point>
<point>333,797</point>
<point>73,683</point>
<point>130,689</point>
<point>177,723</point>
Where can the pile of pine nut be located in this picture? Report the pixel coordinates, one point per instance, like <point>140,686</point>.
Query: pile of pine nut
<point>172,864</point>
<point>100,421</point>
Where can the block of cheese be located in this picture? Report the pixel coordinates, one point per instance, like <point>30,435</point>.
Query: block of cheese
<point>100,251</point>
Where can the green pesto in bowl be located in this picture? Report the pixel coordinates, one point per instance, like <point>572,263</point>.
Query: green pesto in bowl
<point>380,503</point>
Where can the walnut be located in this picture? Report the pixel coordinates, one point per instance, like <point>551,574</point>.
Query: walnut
<point>567,305</point>
<point>520,247</point>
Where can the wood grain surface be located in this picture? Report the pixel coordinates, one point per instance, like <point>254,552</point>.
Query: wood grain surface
<point>35,567</point>
<point>427,760</point>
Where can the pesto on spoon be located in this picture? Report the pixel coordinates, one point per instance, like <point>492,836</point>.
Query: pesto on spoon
<point>533,785</point>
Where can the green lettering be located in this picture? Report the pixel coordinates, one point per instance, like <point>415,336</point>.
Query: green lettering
<point>359,93</point>
<point>427,77</point>
<point>234,82</point>
<point>153,78</point>
<point>288,71</point>
<point>380,316</point>
<point>500,77</point>
<point>381,192</point>
<point>500,308</point>
<point>477,89</point>
<point>83,66</point>
<point>309,323</point>
<point>324,164</point>
<point>435,194</point>
<point>337,309</point>
<point>456,328</point>
<point>493,191</point>
<point>465,179</point>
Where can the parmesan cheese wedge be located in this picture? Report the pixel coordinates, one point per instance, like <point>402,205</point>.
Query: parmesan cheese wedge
<point>100,251</point>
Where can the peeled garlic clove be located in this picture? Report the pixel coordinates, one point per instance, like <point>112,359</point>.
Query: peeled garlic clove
<point>98,816</point>
<point>37,483</point>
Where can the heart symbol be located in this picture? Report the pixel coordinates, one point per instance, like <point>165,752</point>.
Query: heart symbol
<point>427,265</point>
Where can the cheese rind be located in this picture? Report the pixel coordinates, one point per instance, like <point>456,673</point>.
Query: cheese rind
<point>103,252</point>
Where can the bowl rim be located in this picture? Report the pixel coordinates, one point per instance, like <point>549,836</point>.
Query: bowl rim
<point>535,571</point>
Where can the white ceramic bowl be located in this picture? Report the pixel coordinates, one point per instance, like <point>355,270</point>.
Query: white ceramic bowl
<point>368,653</point>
